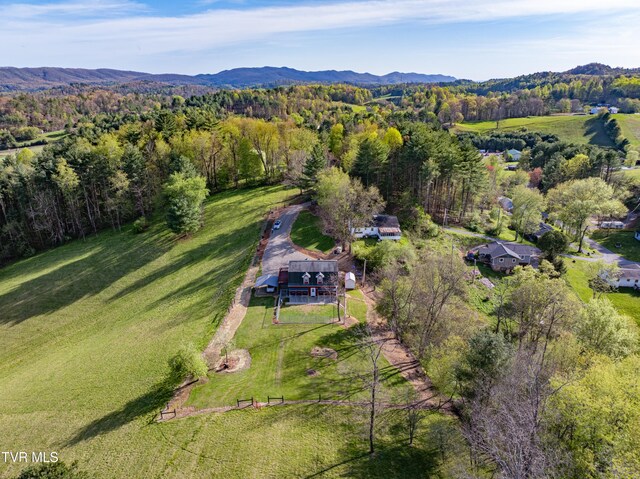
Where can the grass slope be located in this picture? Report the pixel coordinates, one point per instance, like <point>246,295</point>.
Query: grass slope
<point>580,129</point>
<point>86,330</point>
<point>630,126</point>
<point>307,233</point>
<point>85,333</point>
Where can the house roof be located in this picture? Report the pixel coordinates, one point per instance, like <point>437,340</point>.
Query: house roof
<point>386,221</point>
<point>313,266</point>
<point>516,250</point>
<point>513,151</point>
<point>266,280</point>
<point>630,273</point>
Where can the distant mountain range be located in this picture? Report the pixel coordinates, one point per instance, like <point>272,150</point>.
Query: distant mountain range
<point>47,77</point>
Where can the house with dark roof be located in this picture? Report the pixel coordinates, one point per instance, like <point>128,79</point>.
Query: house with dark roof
<point>309,281</point>
<point>536,235</point>
<point>383,227</point>
<point>503,256</point>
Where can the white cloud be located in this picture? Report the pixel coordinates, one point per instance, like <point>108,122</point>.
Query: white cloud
<point>138,34</point>
<point>72,9</point>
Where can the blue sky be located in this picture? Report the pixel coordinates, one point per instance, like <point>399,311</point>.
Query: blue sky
<point>477,39</point>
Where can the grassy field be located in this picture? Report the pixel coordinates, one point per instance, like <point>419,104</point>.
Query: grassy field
<point>281,360</point>
<point>630,126</point>
<point>629,246</point>
<point>307,232</point>
<point>85,333</point>
<point>580,129</point>
<point>51,137</point>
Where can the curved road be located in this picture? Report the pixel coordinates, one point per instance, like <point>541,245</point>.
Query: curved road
<point>279,250</point>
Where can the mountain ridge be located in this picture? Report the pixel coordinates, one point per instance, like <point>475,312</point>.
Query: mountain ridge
<point>38,78</point>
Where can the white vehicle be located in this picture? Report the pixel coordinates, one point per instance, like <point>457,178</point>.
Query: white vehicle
<point>277,225</point>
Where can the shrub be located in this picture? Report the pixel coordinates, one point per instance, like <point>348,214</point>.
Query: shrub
<point>140,225</point>
<point>55,470</point>
<point>188,361</point>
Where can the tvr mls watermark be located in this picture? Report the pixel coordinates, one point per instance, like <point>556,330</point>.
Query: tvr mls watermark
<point>29,457</point>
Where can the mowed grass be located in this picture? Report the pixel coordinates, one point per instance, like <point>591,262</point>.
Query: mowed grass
<point>281,363</point>
<point>630,126</point>
<point>308,313</point>
<point>307,233</point>
<point>629,247</point>
<point>86,330</point>
<point>580,129</point>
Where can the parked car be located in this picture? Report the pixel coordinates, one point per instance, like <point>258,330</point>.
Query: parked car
<point>277,225</point>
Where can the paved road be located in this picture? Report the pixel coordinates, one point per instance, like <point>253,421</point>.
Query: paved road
<point>610,257</point>
<point>280,250</point>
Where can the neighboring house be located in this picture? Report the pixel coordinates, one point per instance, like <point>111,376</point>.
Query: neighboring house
<point>514,154</point>
<point>383,227</point>
<point>536,235</point>
<point>613,110</point>
<point>502,256</point>
<point>637,235</point>
<point>616,225</point>
<point>505,203</point>
<point>626,278</point>
<point>594,111</point>
<point>309,281</point>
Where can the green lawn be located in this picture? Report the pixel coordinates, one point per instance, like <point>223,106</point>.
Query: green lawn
<point>630,126</point>
<point>280,361</point>
<point>86,330</point>
<point>308,313</point>
<point>307,233</point>
<point>629,246</point>
<point>580,129</point>
<point>356,306</point>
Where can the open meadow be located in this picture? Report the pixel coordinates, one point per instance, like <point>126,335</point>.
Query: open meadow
<point>86,330</point>
<point>580,129</point>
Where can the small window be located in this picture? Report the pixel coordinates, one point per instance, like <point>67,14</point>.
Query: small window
<point>305,278</point>
<point>501,260</point>
<point>319,278</point>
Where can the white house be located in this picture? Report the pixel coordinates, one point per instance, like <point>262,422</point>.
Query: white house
<point>626,278</point>
<point>613,110</point>
<point>349,280</point>
<point>383,227</point>
<point>616,225</point>
<point>515,154</point>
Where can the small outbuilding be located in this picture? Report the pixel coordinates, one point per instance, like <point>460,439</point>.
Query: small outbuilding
<point>266,284</point>
<point>350,280</point>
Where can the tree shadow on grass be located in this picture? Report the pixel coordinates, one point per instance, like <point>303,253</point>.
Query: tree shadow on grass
<point>594,130</point>
<point>150,402</point>
<point>109,259</point>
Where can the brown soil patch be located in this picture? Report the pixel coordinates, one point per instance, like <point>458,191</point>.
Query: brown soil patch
<point>239,360</point>
<point>349,322</point>
<point>312,372</point>
<point>328,353</point>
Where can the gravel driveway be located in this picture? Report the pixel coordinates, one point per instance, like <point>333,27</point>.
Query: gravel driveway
<point>279,250</point>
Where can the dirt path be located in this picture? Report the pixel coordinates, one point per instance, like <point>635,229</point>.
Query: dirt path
<point>402,358</point>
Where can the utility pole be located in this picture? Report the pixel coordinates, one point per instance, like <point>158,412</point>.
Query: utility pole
<point>364,273</point>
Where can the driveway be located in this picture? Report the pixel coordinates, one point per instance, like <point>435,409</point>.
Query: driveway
<point>610,257</point>
<point>279,250</point>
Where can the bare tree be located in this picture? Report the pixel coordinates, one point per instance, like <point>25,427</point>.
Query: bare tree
<point>371,346</point>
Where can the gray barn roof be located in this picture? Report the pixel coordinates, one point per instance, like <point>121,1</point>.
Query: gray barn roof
<point>386,221</point>
<point>313,266</point>
<point>499,248</point>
